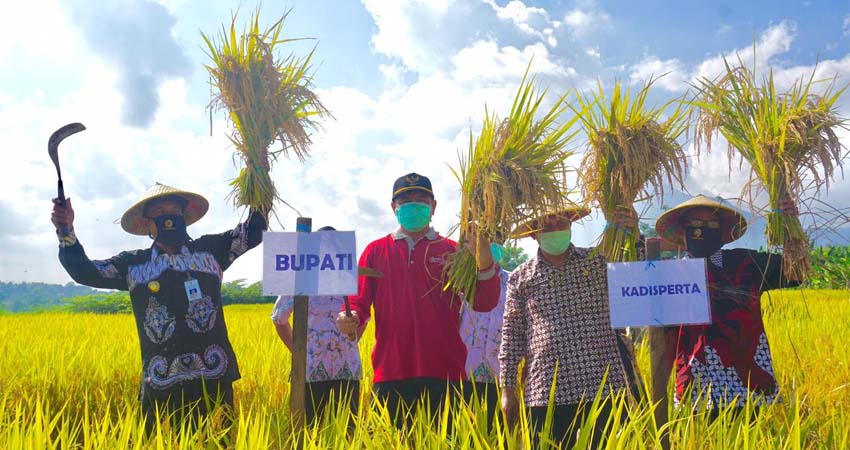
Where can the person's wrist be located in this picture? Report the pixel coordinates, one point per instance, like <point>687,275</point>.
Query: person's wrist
<point>487,267</point>
<point>68,239</point>
<point>69,229</point>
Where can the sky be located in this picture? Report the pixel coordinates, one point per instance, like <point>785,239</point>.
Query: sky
<point>407,81</point>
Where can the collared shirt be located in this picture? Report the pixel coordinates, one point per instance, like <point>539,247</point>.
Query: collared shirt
<point>730,358</point>
<point>558,319</point>
<point>482,334</point>
<point>416,322</point>
<point>181,339</point>
<point>330,354</point>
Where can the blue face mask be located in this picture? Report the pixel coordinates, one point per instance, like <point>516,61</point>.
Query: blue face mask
<point>498,251</point>
<point>413,216</point>
<point>555,242</point>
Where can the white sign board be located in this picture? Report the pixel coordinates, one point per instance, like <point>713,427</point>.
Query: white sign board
<point>318,263</point>
<point>658,293</point>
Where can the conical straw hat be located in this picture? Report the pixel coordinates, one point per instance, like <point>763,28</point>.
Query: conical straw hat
<point>134,222</point>
<point>733,224</point>
<point>531,226</point>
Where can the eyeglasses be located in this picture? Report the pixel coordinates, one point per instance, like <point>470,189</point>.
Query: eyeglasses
<point>696,223</point>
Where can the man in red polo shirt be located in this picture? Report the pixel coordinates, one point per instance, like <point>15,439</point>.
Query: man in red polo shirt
<point>418,349</point>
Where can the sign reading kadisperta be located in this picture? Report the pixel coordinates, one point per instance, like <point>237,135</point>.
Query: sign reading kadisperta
<point>319,263</point>
<point>658,293</point>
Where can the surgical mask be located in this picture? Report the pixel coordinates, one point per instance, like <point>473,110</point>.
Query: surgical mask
<point>413,216</point>
<point>498,251</point>
<point>703,241</point>
<point>171,230</point>
<point>555,242</point>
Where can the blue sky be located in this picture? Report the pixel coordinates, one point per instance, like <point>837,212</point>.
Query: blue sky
<point>406,81</point>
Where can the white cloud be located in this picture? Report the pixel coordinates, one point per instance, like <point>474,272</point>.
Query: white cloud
<point>772,43</point>
<point>582,22</point>
<point>847,25</point>
<point>531,20</point>
<point>485,61</point>
<point>775,41</point>
<point>674,77</point>
<point>30,41</point>
<point>424,39</point>
<point>141,69</point>
<point>402,27</point>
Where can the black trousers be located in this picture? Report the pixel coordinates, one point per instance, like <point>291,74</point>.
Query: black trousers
<point>566,422</point>
<point>320,392</point>
<point>488,395</point>
<point>189,401</point>
<point>401,397</point>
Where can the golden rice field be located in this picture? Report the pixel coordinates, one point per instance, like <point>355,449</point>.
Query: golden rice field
<point>71,381</point>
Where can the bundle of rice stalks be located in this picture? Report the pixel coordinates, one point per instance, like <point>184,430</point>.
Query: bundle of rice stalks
<point>268,99</point>
<point>514,171</point>
<point>788,139</point>
<point>632,150</point>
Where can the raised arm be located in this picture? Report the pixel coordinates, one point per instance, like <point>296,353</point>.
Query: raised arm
<point>105,274</point>
<point>234,243</point>
<point>488,287</point>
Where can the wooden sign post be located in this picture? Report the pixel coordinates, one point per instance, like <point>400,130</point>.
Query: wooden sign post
<point>298,381</point>
<point>660,362</point>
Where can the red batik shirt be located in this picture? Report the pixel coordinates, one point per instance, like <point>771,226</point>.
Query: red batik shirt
<point>730,358</point>
<point>417,323</point>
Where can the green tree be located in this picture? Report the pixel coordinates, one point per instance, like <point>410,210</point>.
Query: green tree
<point>239,292</point>
<point>514,256</point>
<point>100,303</point>
<point>647,230</point>
<point>830,268</point>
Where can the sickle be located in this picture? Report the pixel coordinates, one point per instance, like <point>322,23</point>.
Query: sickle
<point>53,150</point>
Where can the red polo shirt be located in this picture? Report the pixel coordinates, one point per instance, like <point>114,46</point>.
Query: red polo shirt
<point>417,324</point>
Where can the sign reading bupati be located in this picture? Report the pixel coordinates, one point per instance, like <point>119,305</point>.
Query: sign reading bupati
<point>318,263</point>
<point>658,293</point>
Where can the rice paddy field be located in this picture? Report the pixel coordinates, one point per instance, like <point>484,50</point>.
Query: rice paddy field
<point>71,381</point>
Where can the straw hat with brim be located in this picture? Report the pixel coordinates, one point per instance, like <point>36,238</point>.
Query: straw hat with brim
<point>134,221</point>
<point>733,224</point>
<point>531,226</point>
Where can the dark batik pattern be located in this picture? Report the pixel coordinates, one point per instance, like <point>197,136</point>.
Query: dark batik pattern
<point>185,261</point>
<point>180,340</point>
<point>558,319</point>
<point>729,359</point>
<point>107,269</point>
<point>201,315</point>
<point>159,324</point>
<point>239,245</point>
<point>163,373</point>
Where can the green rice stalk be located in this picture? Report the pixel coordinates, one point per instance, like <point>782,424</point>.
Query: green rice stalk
<point>513,171</point>
<point>788,138</point>
<point>632,150</point>
<point>268,99</point>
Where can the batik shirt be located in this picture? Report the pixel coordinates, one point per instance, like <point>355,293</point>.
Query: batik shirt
<point>558,319</point>
<point>181,340</point>
<point>730,357</point>
<point>482,334</point>
<point>331,355</point>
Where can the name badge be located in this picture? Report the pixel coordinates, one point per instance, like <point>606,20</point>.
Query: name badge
<point>193,290</point>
